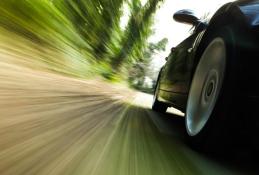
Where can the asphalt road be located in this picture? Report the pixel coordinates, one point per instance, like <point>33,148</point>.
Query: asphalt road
<point>56,125</point>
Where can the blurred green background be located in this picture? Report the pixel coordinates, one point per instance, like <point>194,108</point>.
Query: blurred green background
<point>83,38</point>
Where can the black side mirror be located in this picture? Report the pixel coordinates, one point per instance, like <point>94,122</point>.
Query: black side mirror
<point>186,16</point>
<point>166,58</point>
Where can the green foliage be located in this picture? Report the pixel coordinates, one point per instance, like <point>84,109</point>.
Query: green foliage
<point>160,46</point>
<point>137,32</point>
<point>141,69</point>
<point>83,32</point>
<point>95,21</point>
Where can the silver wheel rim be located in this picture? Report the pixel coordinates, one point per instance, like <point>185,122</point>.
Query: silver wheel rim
<point>206,85</point>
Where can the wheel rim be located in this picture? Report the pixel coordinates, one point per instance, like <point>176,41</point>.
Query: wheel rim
<point>206,85</point>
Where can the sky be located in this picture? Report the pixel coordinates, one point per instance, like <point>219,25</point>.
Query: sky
<point>176,32</point>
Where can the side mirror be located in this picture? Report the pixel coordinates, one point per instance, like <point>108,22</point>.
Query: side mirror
<point>166,58</point>
<point>186,16</point>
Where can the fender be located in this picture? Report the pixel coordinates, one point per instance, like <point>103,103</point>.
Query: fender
<point>250,11</point>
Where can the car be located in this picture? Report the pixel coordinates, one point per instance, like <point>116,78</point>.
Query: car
<point>212,76</point>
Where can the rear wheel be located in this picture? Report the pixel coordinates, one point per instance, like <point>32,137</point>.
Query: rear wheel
<point>157,105</point>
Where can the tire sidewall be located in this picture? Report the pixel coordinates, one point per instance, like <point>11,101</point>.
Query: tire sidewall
<point>217,128</point>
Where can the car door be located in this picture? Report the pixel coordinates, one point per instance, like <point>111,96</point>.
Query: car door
<point>175,77</point>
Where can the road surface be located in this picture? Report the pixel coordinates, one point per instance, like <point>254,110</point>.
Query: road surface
<point>56,125</point>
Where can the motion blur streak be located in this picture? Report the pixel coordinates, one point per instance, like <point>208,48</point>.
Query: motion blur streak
<point>52,124</point>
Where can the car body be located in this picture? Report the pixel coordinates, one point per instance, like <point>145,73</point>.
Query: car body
<point>237,25</point>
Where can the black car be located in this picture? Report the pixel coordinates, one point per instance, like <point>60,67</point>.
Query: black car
<point>212,76</point>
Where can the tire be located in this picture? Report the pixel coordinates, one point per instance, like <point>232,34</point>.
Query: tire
<point>157,105</point>
<point>211,99</point>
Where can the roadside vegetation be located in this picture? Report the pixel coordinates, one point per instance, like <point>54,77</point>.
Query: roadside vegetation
<point>82,38</point>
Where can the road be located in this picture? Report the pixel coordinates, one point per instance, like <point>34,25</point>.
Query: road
<point>56,125</point>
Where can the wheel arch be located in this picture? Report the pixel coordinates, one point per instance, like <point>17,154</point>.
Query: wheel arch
<point>228,17</point>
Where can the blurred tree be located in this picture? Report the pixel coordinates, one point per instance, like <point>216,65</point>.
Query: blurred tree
<point>111,16</point>
<point>137,31</point>
<point>159,46</point>
<point>141,69</point>
<point>83,32</point>
<point>95,21</point>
